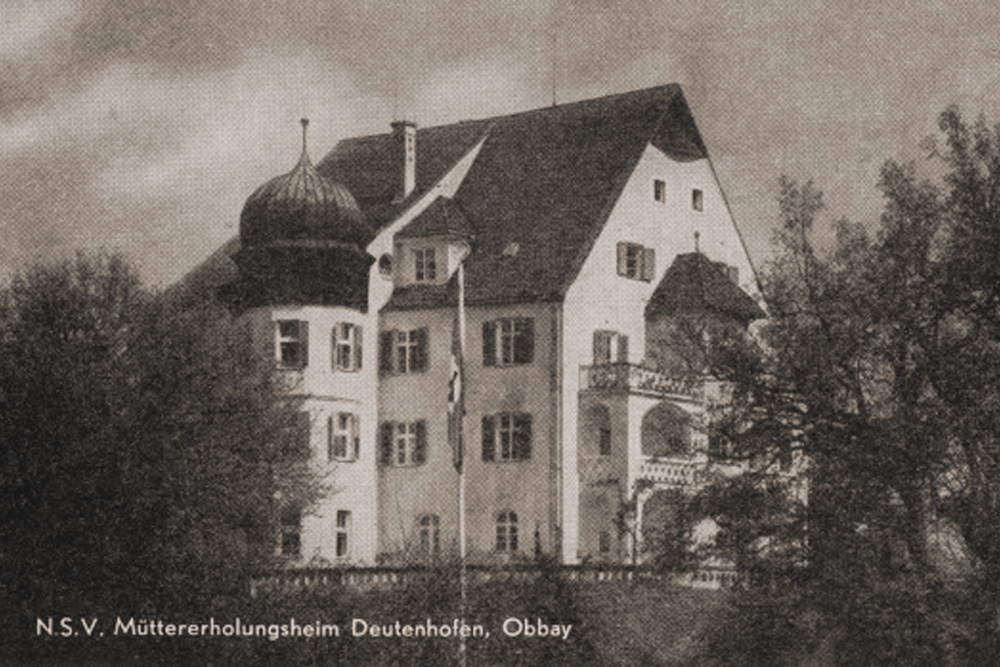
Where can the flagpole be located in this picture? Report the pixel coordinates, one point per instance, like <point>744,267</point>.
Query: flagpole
<point>462,653</point>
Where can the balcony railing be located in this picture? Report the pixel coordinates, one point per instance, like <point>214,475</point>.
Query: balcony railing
<point>638,379</point>
<point>671,472</point>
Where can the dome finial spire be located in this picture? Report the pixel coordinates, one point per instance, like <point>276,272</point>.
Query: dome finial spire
<point>305,126</point>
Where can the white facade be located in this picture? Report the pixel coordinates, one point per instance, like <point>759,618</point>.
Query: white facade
<point>555,439</point>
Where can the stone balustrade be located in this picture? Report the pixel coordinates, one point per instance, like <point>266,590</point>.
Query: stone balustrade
<point>638,379</point>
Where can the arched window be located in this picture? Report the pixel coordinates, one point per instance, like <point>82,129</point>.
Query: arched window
<point>507,532</point>
<point>430,535</point>
<point>666,431</point>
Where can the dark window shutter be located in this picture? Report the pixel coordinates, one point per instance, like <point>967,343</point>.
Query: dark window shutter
<point>489,343</point>
<point>356,435</point>
<point>385,339</point>
<point>522,437</point>
<point>648,264</point>
<point>385,443</point>
<point>304,337</point>
<point>358,347</point>
<point>602,352</point>
<point>524,342</point>
<point>420,356</point>
<point>489,439</point>
<point>420,451</point>
<point>623,259</point>
<point>622,348</point>
<point>329,438</point>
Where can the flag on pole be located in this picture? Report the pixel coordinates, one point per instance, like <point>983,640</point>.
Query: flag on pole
<point>456,390</point>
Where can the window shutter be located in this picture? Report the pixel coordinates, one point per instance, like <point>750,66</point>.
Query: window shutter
<point>420,356</point>
<point>356,435</point>
<point>489,438</point>
<point>385,339</point>
<point>420,451</point>
<point>329,438</point>
<point>489,343</point>
<point>304,337</point>
<point>602,347</point>
<point>300,447</point>
<point>648,264</point>
<point>623,259</point>
<point>357,347</point>
<point>524,342</point>
<point>522,437</point>
<point>385,443</point>
<point>622,348</point>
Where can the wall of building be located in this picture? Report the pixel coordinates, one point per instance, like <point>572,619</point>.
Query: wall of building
<point>407,493</point>
<point>600,299</point>
<point>326,392</point>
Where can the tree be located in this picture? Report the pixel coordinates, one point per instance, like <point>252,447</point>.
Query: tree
<point>142,445</point>
<point>879,363</point>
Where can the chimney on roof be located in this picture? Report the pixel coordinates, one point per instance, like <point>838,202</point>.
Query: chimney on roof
<point>404,138</point>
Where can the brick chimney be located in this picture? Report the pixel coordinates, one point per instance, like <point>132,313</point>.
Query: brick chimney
<point>404,136</point>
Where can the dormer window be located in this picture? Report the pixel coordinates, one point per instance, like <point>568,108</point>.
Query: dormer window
<point>425,266</point>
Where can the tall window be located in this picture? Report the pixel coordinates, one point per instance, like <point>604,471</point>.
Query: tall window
<point>509,341</point>
<point>343,533</point>
<point>430,535</point>
<point>343,439</point>
<point>425,269</point>
<point>659,190</point>
<point>291,531</point>
<point>636,262</point>
<point>403,351</point>
<point>346,347</point>
<point>604,542</point>
<point>604,442</point>
<point>697,200</point>
<point>506,437</point>
<point>292,343</point>
<point>403,443</point>
<point>506,532</point>
<point>610,346</point>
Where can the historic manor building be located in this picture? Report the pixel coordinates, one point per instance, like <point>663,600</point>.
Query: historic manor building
<point>587,230</point>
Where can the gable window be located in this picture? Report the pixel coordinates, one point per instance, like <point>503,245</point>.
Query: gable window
<point>697,200</point>
<point>425,268</point>
<point>343,439</point>
<point>403,351</point>
<point>506,437</point>
<point>291,531</point>
<point>509,341</point>
<point>506,532</point>
<point>343,533</point>
<point>429,535</point>
<point>292,343</point>
<point>346,347</point>
<point>609,347</point>
<point>403,443</point>
<point>636,261</point>
<point>659,190</point>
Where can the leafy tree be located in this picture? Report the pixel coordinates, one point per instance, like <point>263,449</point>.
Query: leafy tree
<point>879,363</point>
<point>142,446</point>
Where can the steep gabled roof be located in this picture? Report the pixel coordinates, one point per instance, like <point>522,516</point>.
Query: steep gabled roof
<point>693,283</point>
<point>543,183</point>
<point>442,218</point>
<point>544,179</point>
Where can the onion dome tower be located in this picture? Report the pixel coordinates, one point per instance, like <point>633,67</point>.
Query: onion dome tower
<point>302,242</point>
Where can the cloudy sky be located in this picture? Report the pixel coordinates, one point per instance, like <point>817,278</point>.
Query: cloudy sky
<point>143,125</point>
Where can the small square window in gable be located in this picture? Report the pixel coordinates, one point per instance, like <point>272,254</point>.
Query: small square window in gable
<point>659,190</point>
<point>697,200</point>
